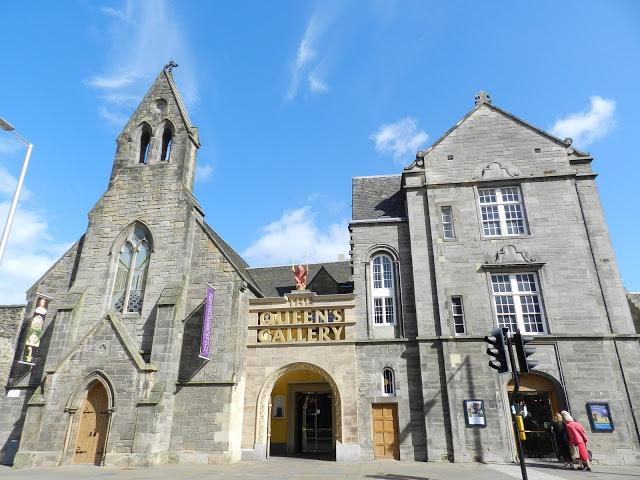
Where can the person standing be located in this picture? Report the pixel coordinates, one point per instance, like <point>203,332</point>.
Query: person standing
<point>577,438</point>
<point>561,439</point>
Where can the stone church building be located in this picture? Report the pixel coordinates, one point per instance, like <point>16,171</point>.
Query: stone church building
<point>152,341</point>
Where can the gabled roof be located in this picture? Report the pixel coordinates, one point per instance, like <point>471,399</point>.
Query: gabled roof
<point>486,102</point>
<point>274,281</point>
<point>377,197</point>
<point>231,255</point>
<point>176,94</point>
<point>164,84</point>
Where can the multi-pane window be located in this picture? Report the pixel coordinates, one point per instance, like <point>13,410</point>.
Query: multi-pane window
<point>447,223</point>
<point>502,211</point>
<point>131,273</point>
<point>457,312</point>
<point>383,291</point>
<point>388,382</point>
<point>518,302</point>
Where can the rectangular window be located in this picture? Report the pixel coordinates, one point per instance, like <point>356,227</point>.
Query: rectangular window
<point>447,223</point>
<point>502,212</point>
<point>384,311</point>
<point>517,301</point>
<point>457,311</point>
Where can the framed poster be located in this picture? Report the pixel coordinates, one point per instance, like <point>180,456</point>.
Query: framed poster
<point>600,417</point>
<point>474,413</point>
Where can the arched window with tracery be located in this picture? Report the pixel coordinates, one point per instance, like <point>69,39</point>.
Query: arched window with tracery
<point>131,274</point>
<point>383,290</point>
<point>145,141</point>
<point>388,382</point>
<point>167,140</point>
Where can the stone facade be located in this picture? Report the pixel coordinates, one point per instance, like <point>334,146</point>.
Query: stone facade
<point>589,349</point>
<point>144,358</point>
<point>355,321</point>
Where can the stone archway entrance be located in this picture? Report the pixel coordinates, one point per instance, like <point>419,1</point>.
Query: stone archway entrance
<point>93,426</point>
<point>540,397</point>
<point>299,412</point>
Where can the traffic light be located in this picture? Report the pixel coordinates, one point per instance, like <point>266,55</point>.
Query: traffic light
<point>497,350</point>
<point>524,351</point>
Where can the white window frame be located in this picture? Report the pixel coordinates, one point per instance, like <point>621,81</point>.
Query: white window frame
<point>516,295</point>
<point>459,315</point>
<point>451,235</point>
<point>391,383</point>
<point>500,204</point>
<point>384,296</point>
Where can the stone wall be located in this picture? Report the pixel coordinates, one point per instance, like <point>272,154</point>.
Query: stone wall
<point>11,318</point>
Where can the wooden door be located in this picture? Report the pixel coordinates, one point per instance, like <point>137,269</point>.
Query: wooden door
<point>385,431</point>
<point>92,431</point>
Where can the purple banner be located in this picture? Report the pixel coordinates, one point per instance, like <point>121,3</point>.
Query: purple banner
<point>205,339</point>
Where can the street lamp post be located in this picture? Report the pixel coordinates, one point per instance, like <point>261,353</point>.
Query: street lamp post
<point>4,125</point>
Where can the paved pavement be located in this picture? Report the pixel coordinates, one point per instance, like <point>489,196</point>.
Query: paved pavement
<point>300,469</point>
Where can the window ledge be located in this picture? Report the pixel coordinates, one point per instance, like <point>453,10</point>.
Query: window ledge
<point>504,237</point>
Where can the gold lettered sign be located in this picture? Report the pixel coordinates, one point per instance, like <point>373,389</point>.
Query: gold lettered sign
<point>301,325</point>
<point>35,330</point>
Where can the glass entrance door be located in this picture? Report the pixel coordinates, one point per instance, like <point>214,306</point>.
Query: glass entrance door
<point>316,422</point>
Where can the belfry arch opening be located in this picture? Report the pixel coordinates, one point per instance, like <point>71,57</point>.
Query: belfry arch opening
<point>167,141</point>
<point>300,412</point>
<point>539,398</point>
<point>145,142</point>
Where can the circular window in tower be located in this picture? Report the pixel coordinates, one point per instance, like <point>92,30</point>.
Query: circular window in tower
<point>159,106</point>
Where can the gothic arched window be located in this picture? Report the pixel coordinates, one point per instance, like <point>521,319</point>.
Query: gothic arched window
<point>145,141</point>
<point>131,273</point>
<point>167,139</point>
<point>383,290</point>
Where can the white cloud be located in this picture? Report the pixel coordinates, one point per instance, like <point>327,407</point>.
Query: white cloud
<point>10,145</point>
<point>124,15</point>
<point>296,235</point>
<point>306,55</point>
<point>399,139</point>
<point>30,251</point>
<point>317,85</point>
<point>113,82</point>
<point>587,127</point>
<point>8,185</point>
<point>203,172</point>
<point>143,37</point>
<point>113,117</point>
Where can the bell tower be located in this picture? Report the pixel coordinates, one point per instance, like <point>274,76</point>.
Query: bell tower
<point>159,140</point>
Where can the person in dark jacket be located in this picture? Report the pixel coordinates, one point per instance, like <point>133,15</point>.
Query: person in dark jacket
<point>562,441</point>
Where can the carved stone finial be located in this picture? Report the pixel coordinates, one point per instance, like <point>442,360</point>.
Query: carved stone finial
<point>482,97</point>
<point>568,141</point>
<point>170,66</point>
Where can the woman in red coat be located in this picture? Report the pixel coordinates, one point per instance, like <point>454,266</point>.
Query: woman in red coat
<point>577,438</point>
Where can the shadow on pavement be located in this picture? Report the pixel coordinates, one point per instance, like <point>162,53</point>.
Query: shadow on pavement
<point>594,469</point>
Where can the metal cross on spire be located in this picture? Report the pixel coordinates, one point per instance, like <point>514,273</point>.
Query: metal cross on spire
<point>170,66</point>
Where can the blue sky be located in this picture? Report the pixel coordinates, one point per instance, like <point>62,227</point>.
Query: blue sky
<point>294,98</point>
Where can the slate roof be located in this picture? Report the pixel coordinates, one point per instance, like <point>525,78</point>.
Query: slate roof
<point>274,281</point>
<point>377,197</point>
